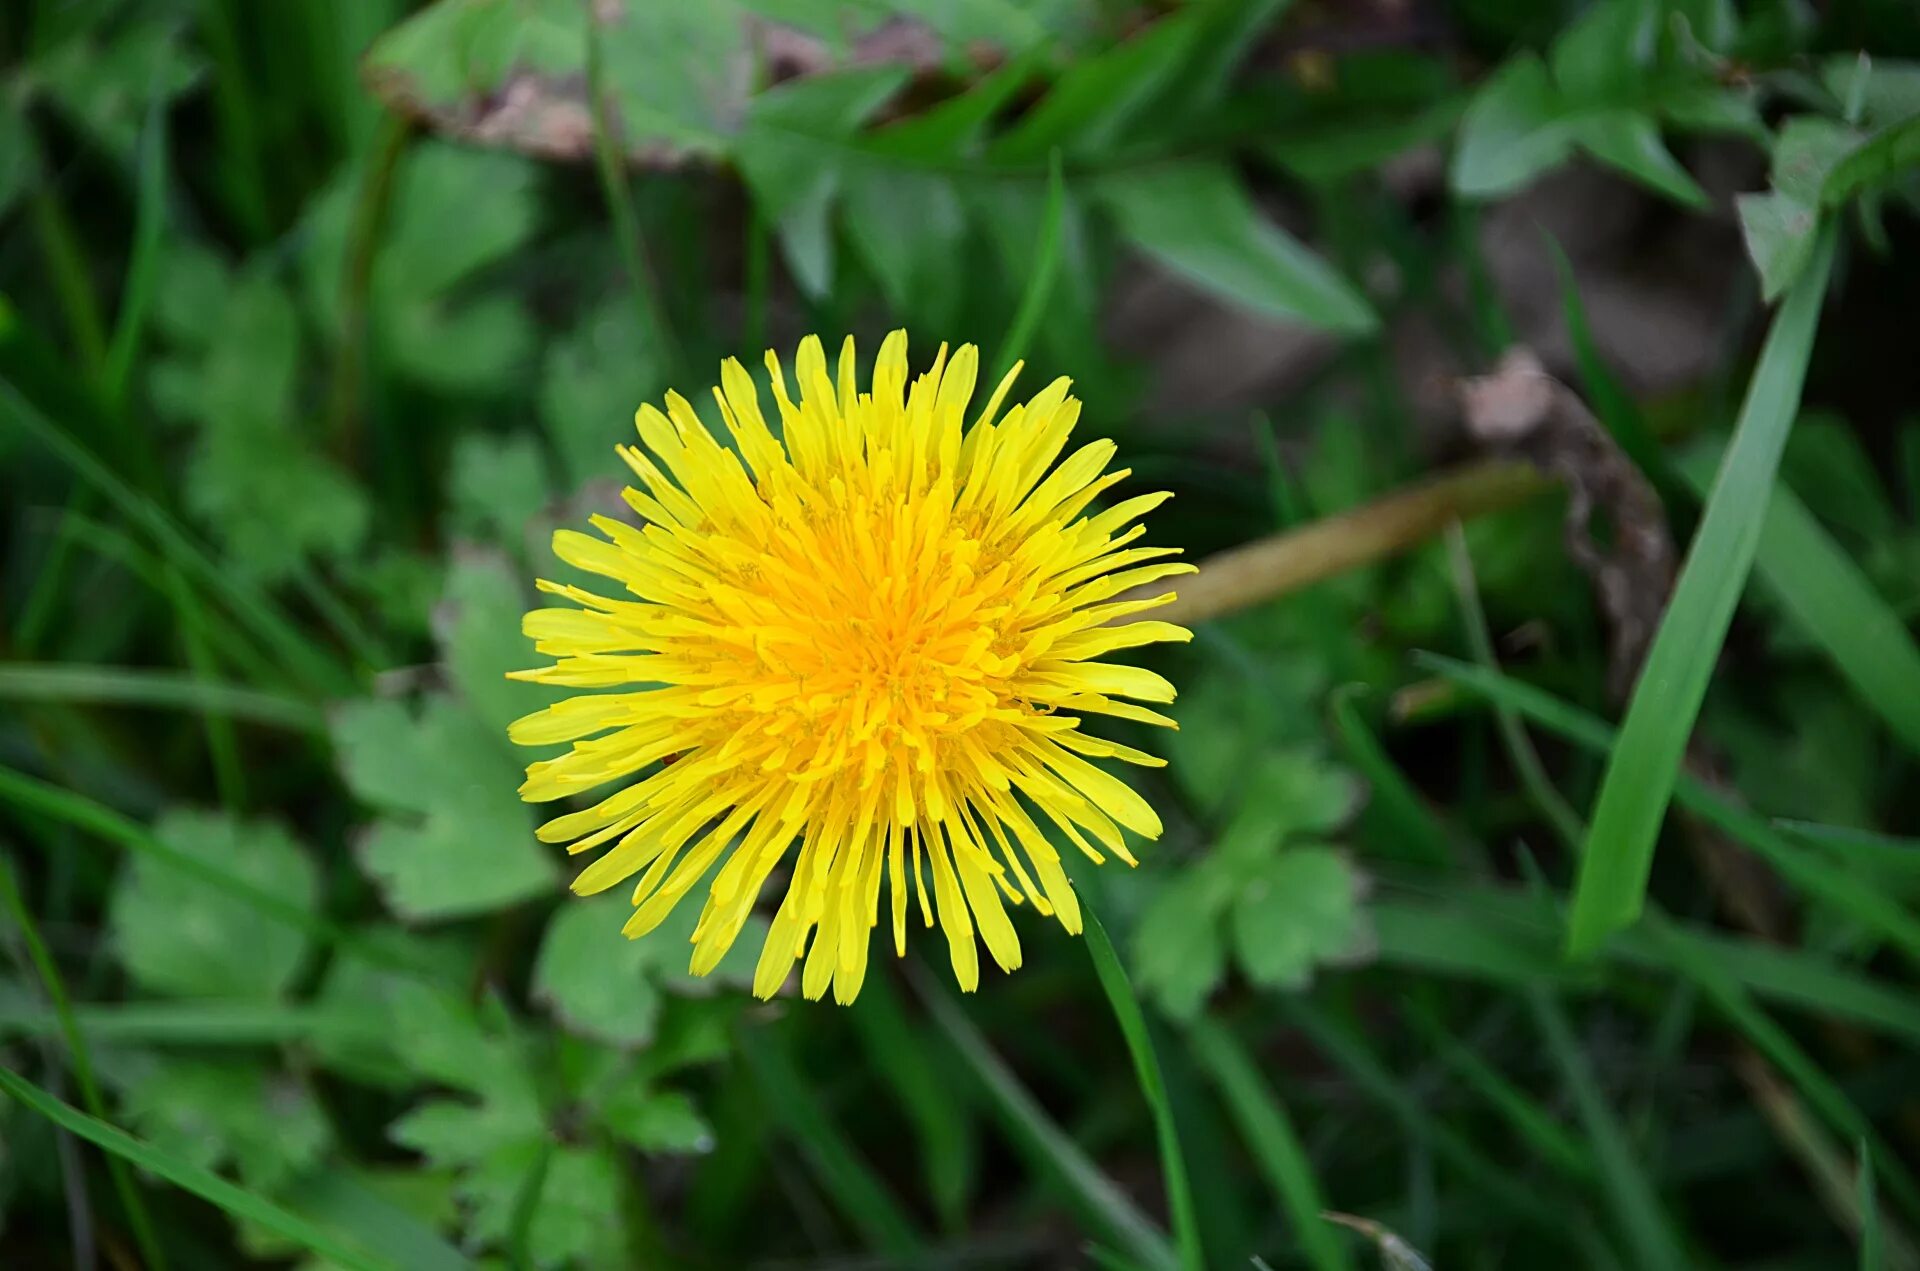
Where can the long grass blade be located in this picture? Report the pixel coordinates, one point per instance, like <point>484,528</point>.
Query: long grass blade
<point>236,1201</point>
<point>140,686</point>
<point>1636,1204</point>
<point>1046,266</point>
<point>81,1058</point>
<point>863,1199</point>
<point>1644,761</point>
<point>1834,603</point>
<point>1813,873</point>
<point>1045,1145</point>
<point>249,604</point>
<point>1153,1085</point>
<point>1270,1135</point>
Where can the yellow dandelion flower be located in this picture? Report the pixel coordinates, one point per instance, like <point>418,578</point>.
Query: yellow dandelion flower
<point>875,638</point>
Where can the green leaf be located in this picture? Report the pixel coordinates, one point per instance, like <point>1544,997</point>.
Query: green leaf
<point>255,478</point>
<point>496,486</point>
<point>1779,234</point>
<point>267,1125</point>
<point>1297,911</point>
<point>592,381</point>
<point>455,840</point>
<point>1890,153</point>
<point>436,324</point>
<point>597,982</point>
<point>657,1120</point>
<point>238,1202</point>
<point>1602,57</point>
<point>478,622</point>
<point>1806,151</point>
<point>792,153</point>
<point>1630,141</point>
<point>909,227</point>
<point>1646,756</point>
<point>1196,219</point>
<point>1179,954</point>
<point>103,80</point>
<point>176,936</point>
<point>1514,129</point>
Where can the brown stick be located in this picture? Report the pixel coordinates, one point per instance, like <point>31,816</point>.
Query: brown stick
<point>1243,576</point>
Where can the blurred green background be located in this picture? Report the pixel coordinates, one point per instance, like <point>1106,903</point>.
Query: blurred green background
<point>317,317</point>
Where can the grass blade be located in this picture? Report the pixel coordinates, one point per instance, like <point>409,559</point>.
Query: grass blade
<point>863,1199</point>
<point>1378,1083</point>
<point>1045,1145</point>
<point>1270,1136</point>
<point>1146,1066</point>
<point>1636,1206</point>
<point>247,602</point>
<point>1834,603</point>
<point>149,219</point>
<point>1033,301</point>
<point>1873,1256</point>
<point>82,1062</point>
<point>1811,872</point>
<point>139,686</point>
<point>902,1059</point>
<point>236,1201</point>
<point>1821,1092</point>
<point>1645,759</point>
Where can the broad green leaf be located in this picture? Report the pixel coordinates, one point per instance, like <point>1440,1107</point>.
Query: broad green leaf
<point>174,935</point>
<point>267,1125</point>
<point>592,381</point>
<point>603,985</point>
<point>455,839</point>
<point>910,228</point>
<point>1893,152</point>
<point>1645,759</point>
<point>496,486</point>
<point>436,325</point>
<point>1098,100</point>
<point>257,478</point>
<point>1514,129</point>
<point>1603,56</point>
<point>657,1120</point>
<point>1630,141</point>
<point>1179,953</point>
<point>598,983</point>
<point>103,81</point>
<point>1195,218</point>
<point>1779,232</point>
<point>1806,151</point>
<point>1299,910</point>
<point>396,1214</point>
<point>793,152</point>
<point>478,623</point>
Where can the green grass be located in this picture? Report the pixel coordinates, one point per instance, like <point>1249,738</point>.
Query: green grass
<point>317,320</point>
<point>1645,761</point>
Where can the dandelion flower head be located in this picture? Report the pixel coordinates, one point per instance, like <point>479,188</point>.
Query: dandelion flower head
<point>858,650</point>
